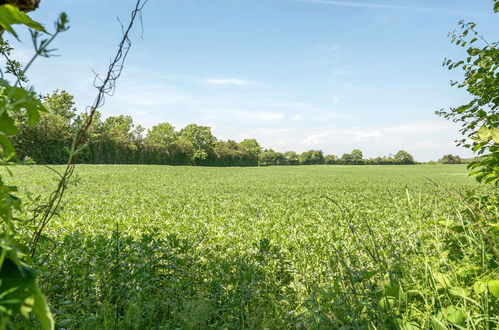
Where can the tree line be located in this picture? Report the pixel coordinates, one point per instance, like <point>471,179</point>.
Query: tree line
<point>117,140</point>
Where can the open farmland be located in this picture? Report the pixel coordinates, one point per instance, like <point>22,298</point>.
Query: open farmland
<point>266,247</point>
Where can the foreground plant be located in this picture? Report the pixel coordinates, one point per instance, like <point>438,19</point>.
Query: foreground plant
<point>19,291</point>
<point>479,118</point>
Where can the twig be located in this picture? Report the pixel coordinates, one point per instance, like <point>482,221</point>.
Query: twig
<point>106,87</point>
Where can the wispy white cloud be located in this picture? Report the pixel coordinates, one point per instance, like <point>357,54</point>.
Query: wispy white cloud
<point>298,117</point>
<point>315,139</point>
<point>228,82</point>
<point>382,6</point>
<point>260,115</point>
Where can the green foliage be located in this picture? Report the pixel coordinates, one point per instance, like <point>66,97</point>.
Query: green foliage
<point>19,292</point>
<point>479,118</point>
<point>19,107</point>
<point>451,159</point>
<point>263,247</point>
<point>11,15</point>
<point>252,146</point>
<point>201,139</point>
<point>292,158</point>
<point>271,157</point>
<point>403,157</point>
<point>311,157</point>
<point>117,140</point>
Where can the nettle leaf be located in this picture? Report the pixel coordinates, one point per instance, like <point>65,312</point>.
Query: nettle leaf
<point>479,287</point>
<point>493,286</point>
<point>7,146</point>
<point>7,125</point>
<point>20,294</point>
<point>10,15</point>
<point>442,280</point>
<point>454,314</point>
<point>17,99</point>
<point>495,135</point>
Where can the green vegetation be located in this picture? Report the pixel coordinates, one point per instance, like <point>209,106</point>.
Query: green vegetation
<point>116,140</point>
<point>277,247</point>
<point>347,247</point>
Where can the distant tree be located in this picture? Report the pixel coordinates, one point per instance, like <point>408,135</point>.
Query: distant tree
<point>403,157</point>
<point>311,157</point>
<point>231,153</point>
<point>54,131</point>
<point>182,151</point>
<point>357,155</point>
<point>271,157</point>
<point>60,103</point>
<point>252,146</point>
<point>346,159</point>
<point>201,138</point>
<point>161,135</point>
<point>451,159</point>
<point>330,159</point>
<point>291,158</point>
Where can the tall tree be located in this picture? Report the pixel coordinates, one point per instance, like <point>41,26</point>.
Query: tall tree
<point>403,157</point>
<point>201,138</point>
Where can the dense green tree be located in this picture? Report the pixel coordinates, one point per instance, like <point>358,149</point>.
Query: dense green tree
<point>252,146</point>
<point>330,159</point>
<point>60,103</point>
<point>357,155</point>
<point>271,157</point>
<point>403,157</point>
<point>291,158</point>
<point>311,157</point>
<point>201,138</point>
<point>54,131</point>
<point>161,136</point>
<point>451,159</point>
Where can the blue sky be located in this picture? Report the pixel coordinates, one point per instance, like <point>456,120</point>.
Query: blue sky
<point>294,74</point>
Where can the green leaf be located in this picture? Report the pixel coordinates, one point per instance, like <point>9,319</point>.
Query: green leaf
<point>7,125</point>
<point>479,287</point>
<point>483,133</point>
<point>493,286</point>
<point>42,310</point>
<point>454,314</point>
<point>495,135</point>
<point>391,290</point>
<point>459,292</point>
<point>10,15</point>
<point>443,281</point>
<point>7,146</point>
<point>20,293</point>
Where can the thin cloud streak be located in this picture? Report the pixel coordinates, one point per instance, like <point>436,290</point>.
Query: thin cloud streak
<point>228,81</point>
<point>384,6</point>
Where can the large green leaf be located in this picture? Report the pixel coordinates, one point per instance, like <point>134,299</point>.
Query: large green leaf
<point>454,314</point>
<point>7,125</point>
<point>494,287</point>
<point>19,293</point>
<point>10,15</point>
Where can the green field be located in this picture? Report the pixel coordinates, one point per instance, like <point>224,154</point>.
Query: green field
<point>260,247</point>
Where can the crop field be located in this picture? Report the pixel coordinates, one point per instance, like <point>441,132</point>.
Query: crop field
<point>262,247</point>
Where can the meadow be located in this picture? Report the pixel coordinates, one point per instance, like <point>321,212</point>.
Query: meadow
<point>322,247</point>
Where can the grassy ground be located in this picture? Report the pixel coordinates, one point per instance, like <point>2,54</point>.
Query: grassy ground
<point>276,247</point>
